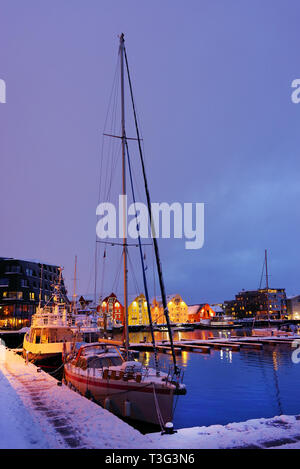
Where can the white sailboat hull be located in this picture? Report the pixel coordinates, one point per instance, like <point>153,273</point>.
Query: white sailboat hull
<point>125,398</point>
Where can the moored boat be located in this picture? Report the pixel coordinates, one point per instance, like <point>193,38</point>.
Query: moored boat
<point>50,334</point>
<point>127,388</point>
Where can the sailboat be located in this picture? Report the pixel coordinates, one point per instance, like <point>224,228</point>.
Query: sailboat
<point>104,371</point>
<point>267,331</point>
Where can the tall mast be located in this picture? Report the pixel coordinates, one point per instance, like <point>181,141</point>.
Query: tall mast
<point>124,194</point>
<point>155,244</point>
<point>267,283</point>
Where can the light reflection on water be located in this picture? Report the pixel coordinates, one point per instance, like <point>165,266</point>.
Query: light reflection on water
<point>226,386</point>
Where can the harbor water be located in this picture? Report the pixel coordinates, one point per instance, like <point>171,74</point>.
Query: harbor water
<point>226,386</point>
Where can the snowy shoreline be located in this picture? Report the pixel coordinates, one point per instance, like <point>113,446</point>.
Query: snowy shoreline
<point>36,413</point>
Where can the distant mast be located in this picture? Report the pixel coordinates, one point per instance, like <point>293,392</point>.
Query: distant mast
<point>267,284</point>
<point>74,286</point>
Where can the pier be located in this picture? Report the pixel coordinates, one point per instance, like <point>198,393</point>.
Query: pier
<point>204,346</point>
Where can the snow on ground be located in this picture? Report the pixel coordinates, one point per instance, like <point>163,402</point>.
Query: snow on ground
<point>59,417</point>
<point>17,427</point>
<point>283,431</point>
<point>36,413</point>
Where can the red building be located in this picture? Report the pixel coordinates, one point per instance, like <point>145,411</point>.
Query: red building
<point>113,309</point>
<point>198,312</point>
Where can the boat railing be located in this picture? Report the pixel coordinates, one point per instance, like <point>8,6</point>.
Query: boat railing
<point>51,317</point>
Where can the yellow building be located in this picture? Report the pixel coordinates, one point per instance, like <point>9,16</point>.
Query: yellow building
<point>138,312</point>
<point>178,310</point>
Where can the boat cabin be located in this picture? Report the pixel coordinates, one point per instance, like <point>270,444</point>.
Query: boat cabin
<point>49,335</point>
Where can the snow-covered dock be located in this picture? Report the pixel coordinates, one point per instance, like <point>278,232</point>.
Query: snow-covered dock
<point>234,343</point>
<point>36,413</point>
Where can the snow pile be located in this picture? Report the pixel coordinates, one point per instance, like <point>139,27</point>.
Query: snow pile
<point>283,431</point>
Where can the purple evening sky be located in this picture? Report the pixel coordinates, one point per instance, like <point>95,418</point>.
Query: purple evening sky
<point>212,83</point>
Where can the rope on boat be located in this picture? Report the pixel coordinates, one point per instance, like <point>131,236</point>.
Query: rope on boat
<point>159,416</point>
<point>55,371</point>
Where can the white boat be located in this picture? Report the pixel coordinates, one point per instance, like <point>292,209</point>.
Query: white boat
<point>219,323</point>
<point>127,388</point>
<point>50,334</point>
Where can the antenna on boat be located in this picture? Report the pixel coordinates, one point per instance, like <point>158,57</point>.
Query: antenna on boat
<point>41,285</point>
<point>74,290</point>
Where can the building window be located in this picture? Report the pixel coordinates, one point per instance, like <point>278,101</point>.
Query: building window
<point>13,269</point>
<point>31,295</point>
<point>4,282</point>
<point>29,272</point>
<point>24,283</point>
<point>13,295</point>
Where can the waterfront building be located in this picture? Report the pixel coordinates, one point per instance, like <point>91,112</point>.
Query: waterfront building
<point>178,310</point>
<point>293,307</point>
<point>23,284</point>
<point>201,311</point>
<point>138,312</point>
<point>112,308</point>
<point>261,304</point>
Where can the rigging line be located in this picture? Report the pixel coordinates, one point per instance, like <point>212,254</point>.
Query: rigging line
<point>110,145</point>
<point>114,243</point>
<point>113,91</point>
<point>102,274</point>
<point>155,244</point>
<point>105,122</point>
<point>137,288</point>
<point>143,267</point>
<point>113,151</point>
<point>117,276</point>
<point>262,273</point>
<point>113,172</point>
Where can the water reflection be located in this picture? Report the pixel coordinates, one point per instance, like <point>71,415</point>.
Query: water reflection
<point>226,386</point>
<point>226,355</point>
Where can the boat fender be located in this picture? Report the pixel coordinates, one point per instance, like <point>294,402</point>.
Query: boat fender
<point>107,403</point>
<point>127,408</point>
<point>138,378</point>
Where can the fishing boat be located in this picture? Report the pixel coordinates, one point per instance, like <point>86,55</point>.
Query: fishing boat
<point>50,334</point>
<point>105,371</point>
